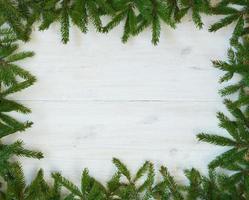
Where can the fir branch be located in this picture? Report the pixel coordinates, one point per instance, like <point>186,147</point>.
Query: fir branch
<point>171,184</point>
<point>9,106</point>
<point>67,184</point>
<point>10,13</point>
<point>65,21</point>
<point>38,189</point>
<point>216,139</point>
<point>230,156</point>
<point>194,189</point>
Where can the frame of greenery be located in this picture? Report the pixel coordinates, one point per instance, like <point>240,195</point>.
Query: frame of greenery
<point>228,176</point>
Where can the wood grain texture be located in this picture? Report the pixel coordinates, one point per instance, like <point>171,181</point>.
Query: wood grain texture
<point>97,98</point>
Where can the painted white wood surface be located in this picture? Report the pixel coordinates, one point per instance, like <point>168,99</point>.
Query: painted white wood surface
<point>97,98</point>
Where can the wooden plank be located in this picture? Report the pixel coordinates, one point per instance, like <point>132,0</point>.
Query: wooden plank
<point>100,67</point>
<point>77,134</point>
<point>97,98</point>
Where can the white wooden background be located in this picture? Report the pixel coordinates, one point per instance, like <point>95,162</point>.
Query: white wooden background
<point>97,98</point>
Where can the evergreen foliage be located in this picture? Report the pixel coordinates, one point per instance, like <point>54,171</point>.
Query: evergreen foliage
<point>228,172</point>
<point>234,11</point>
<point>12,79</point>
<point>136,14</point>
